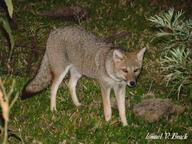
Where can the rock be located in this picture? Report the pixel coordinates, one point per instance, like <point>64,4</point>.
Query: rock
<point>154,109</point>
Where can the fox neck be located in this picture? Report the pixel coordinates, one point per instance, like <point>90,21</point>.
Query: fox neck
<point>109,66</point>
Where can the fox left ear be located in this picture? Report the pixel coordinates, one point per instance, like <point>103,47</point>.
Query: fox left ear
<point>117,55</point>
<point>140,54</point>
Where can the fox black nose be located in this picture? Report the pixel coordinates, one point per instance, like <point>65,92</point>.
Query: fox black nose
<point>132,83</point>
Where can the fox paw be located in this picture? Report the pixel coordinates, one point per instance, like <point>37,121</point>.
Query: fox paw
<point>77,104</point>
<point>107,117</point>
<point>125,123</point>
<point>53,109</point>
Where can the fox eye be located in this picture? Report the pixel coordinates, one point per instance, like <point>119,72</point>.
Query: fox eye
<point>125,70</point>
<point>136,70</point>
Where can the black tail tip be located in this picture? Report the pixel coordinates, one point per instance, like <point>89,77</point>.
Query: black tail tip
<point>26,94</point>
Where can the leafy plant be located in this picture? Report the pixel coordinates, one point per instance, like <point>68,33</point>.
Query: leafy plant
<point>4,23</point>
<point>175,35</point>
<point>4,96</point>
<point>6,106</point>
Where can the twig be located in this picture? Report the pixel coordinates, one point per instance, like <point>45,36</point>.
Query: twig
<point>13,101</point>
<point>5,111</point>
<point>2,87</point>
<point>11,90</point>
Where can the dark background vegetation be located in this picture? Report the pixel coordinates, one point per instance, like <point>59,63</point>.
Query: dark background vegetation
<point>32,119</point>
<point>106,17</point>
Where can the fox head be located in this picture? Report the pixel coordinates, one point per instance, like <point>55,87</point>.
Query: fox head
<point>127,67</point>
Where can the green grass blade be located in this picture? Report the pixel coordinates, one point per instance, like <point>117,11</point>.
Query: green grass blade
<point>9,5</point>
<point>8,30</point>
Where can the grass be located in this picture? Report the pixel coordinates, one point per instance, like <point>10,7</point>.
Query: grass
<point>33,120</point>
<point>35,123</point>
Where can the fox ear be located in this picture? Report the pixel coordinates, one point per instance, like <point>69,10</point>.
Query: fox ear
<point>117,55</point>
<point>140,54</point>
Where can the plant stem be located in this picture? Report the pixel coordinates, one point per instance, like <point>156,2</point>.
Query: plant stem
<point>5,132</point>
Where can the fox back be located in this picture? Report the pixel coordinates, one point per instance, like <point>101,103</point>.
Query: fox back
<point>74,45</point>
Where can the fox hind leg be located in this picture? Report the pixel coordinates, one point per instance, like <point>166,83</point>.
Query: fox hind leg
<point>55,85</point>
<point>75,76</point>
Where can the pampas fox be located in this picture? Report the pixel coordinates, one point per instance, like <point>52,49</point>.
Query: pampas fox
<point>73,49</point>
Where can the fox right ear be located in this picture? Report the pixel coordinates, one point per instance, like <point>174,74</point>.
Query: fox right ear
<point>117,55</point>
<point>140,54</point>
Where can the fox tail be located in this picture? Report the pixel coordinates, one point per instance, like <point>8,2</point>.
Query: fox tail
<point>40,81</point>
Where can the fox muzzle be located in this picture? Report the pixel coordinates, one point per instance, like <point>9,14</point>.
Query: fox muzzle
<point>131,83</point>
